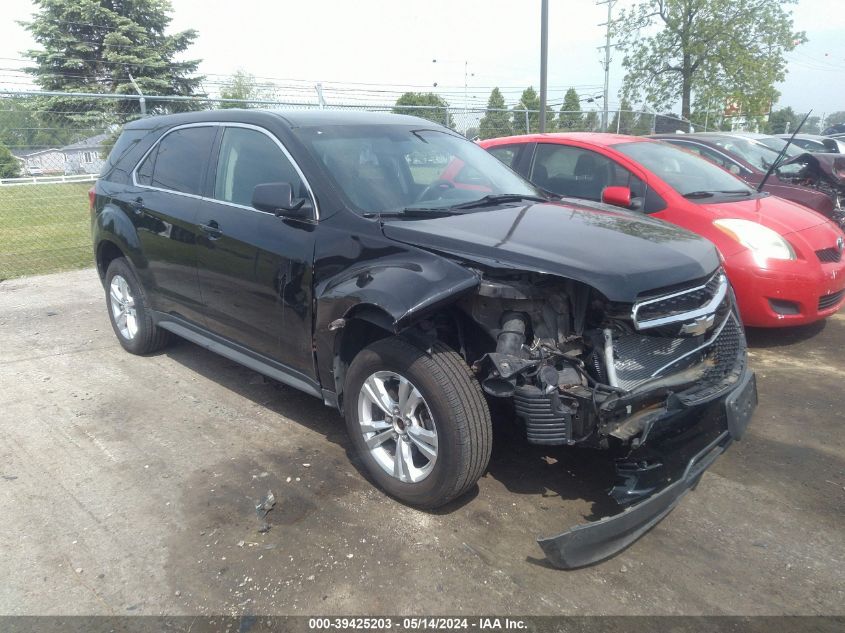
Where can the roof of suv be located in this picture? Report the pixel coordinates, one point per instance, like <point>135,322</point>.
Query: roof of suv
<point>293,118</point>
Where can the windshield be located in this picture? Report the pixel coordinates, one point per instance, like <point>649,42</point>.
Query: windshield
<point>777,144</point>
<point>390,167</point>
<point>753,152</point>
<point>685,172</point>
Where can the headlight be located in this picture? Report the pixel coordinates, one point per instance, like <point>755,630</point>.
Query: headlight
<point>762,241</point>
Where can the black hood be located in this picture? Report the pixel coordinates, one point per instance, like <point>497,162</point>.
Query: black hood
<point>619,253</point>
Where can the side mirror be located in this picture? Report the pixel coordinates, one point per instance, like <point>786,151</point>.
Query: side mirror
<point>617,196</point>
<point>277,198</point>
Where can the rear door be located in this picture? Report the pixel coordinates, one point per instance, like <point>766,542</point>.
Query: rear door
<point>255,268</point>
<point>168,183</point>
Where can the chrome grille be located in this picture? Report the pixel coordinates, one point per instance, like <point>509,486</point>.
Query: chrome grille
<point>639,358</point>
<point>681,306</point>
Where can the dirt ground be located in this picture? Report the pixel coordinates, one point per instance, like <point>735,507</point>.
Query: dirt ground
<point>128,485</point>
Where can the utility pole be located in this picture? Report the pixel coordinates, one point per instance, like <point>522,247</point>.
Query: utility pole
<point>606,63</point>
<point>544,60</point>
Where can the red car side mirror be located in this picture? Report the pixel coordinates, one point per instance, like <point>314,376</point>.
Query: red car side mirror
<point>617,196</point>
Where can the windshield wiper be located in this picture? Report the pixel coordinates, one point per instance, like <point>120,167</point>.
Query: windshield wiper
<point>497,198</point>
<point>710,194</point>
<point>782,155</point>
<point>411,212</point>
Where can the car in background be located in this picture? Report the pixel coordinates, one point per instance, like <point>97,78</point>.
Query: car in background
<point>816,143</point>
<point>785,262</point>
<point>750,160</point>
<point>834,130</point>
<point>772,142</point>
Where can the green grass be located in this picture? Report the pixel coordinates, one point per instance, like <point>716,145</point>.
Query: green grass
<point>44,229</point>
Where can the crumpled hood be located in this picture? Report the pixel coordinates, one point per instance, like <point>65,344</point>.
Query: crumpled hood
<point>831,165</point>
<point>621,254</point>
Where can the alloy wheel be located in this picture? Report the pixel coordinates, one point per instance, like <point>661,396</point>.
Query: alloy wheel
<point>397,426</point>
<point>123,307</point>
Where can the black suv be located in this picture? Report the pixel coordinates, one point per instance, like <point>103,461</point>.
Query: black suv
<point>402,274</point>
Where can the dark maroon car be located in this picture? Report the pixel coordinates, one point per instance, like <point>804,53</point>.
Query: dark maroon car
<point>750,160</point>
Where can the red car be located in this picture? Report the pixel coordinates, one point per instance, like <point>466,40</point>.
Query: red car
<point>784,260</point>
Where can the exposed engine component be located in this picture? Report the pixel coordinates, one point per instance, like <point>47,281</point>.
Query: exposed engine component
<point>582,369</point>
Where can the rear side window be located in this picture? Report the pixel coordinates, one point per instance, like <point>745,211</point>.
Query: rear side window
<point>178,161</point>
<point>249,158</point>
<point>124,144</point>
<point>506,153</point>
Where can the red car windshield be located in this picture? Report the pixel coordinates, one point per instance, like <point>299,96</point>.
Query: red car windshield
<point>685,172</point>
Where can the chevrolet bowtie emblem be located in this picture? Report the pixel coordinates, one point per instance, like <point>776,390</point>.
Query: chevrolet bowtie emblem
<point>699,326</point>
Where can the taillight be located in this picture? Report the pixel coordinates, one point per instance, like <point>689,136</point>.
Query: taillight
<point>92,195</point>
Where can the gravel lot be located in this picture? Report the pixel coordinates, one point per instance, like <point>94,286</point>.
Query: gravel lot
<point>128,486</point>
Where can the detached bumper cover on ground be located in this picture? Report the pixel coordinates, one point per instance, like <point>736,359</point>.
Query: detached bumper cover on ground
<point>592,542</point>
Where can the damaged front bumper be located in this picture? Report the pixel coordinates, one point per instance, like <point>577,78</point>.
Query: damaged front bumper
<point>654,479</point>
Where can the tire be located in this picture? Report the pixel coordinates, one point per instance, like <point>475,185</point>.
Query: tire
<point>452,407</point>
<point>133,326</point>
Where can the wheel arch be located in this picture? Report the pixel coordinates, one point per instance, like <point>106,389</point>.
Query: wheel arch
<point>362,325</point>
<point>114,236</point>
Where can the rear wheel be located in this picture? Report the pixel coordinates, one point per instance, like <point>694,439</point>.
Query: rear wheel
<point>129,313</point>
<point>418,421</point>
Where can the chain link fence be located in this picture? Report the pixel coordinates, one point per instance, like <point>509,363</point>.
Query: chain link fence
<point>53,146</point>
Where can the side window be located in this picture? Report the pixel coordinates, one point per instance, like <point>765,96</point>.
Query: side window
<point>144,175</point>
<point>249,158</point>
<point>506,153</point>
<point>179,160</point>
<point>573,171</point>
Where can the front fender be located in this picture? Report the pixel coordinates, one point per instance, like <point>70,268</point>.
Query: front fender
<point>401,286</point>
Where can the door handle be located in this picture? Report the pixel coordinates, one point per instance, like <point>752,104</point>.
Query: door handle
<point>212,229</point>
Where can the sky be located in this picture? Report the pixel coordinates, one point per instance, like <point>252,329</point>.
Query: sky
<point>374,49</point>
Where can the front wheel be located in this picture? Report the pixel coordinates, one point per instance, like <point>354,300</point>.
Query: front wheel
<point>418,421</point>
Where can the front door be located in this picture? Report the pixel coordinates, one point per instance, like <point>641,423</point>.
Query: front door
<point>255,268</point>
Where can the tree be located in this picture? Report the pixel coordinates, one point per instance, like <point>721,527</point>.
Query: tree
<point>643,124</point>
<point>434,107</point>
<point>24,126</point>
<point>530,101</point>
<point>570,112</point>
<point>782,121</point>
<point>9,166</point>
<point>591,121</point>
<point>707,51</point>
<point>834,118</point>
<point>497,120</point>
<point>623,120</point>
<point>241,86</point>
<point>812,126</point>
<point>94,46</point>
